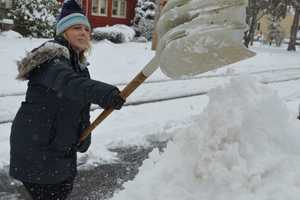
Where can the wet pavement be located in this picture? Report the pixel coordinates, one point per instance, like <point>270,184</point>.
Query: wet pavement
<point>98,183</point>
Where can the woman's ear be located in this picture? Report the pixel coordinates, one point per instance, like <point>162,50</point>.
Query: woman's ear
<point>65,36</point>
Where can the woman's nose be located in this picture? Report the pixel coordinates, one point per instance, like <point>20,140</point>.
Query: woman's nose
<point>84,31</point>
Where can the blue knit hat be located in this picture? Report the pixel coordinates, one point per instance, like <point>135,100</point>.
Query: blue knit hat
<point>71,14</point>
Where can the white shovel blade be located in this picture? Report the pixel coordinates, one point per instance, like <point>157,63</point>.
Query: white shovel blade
<point>197,40</point>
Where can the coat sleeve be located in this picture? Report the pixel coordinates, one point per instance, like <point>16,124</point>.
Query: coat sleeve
<point>59,75</point>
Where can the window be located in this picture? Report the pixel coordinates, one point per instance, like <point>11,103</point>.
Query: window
<point>6,4</point>
<point>119,8</point>
<point>99,7</point>
<point>9,3</point>
<point>2,4</point>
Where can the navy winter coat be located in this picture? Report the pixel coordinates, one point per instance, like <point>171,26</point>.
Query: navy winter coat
<point>46,129</point>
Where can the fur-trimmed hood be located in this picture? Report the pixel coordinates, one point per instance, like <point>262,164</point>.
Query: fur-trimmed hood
<point>35,58</point>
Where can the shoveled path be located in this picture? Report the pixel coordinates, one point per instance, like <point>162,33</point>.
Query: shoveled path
<point>97,184</point>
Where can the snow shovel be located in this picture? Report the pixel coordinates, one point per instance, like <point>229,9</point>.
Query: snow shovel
<point>194,36</point>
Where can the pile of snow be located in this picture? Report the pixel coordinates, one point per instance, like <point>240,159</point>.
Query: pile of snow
<point>10,34</point>
<point>118,33</point>
<point>243,146</point>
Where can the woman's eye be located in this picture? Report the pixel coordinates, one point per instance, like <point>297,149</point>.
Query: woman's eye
<point>77,27</point>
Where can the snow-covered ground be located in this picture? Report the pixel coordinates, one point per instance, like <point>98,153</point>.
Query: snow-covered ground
<point>240,141</point>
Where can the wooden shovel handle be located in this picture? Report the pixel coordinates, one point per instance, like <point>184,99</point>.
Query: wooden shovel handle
<point>134,83</point>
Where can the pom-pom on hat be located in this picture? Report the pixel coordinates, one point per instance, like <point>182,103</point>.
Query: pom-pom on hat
<point>71,14</point>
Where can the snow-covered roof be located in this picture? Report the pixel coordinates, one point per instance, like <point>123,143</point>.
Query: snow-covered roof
<point>7,21</point>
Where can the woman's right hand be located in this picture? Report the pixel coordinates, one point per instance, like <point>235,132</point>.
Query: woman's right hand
<point>114,100</point>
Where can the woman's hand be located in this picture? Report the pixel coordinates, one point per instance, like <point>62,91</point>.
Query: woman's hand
<point>114,100</point>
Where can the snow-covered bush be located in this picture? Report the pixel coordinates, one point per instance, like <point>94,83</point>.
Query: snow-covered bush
<point>11,34</point>
<point>35,18</point>
<point>144,18</point>
<point>118,33</point>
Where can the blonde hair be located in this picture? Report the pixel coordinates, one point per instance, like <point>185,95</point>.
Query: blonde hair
<point>86,52</point>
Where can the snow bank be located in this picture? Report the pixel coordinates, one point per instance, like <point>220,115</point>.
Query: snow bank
<point>118,33</point>
<point>243,146</point>
<point>11,34</point>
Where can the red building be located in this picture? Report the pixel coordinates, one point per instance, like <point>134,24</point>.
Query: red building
<point>109,12</point>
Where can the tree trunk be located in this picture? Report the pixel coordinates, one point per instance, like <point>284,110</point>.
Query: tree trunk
<point>251,20</point>
<point>294,29</point>
<point>250,33</point>
<point>253,28</point>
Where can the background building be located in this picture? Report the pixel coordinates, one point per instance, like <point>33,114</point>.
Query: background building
<point>5,5</point>
<point>285,25</point>
<point>109,12</point>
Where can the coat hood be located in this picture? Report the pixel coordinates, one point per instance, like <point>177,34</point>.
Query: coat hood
<point>38,56</point>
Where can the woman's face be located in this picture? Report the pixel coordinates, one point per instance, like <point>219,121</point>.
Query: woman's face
<point>78,37</point>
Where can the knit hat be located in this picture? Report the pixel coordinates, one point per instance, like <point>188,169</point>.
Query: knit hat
<point>71,14</point>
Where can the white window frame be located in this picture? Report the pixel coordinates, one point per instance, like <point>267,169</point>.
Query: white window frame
<point>98,13</point>
<point>119,9</point>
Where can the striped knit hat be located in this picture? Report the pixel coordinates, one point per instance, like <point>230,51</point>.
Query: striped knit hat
<point>71,14</point>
